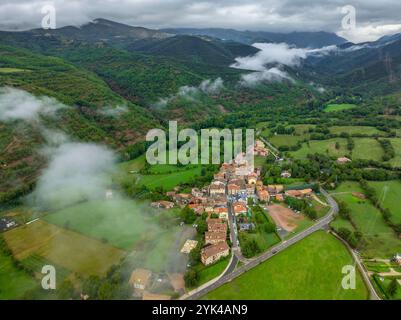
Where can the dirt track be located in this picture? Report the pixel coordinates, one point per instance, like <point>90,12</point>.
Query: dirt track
<point>284,217</point>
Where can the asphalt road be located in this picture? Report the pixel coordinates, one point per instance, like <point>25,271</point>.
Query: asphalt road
<point>229,276</point>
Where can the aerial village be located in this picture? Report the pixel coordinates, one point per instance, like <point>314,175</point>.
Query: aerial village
<point>232,187</point>
<point>230,195</point>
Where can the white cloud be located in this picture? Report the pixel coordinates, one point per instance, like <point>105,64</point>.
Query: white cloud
<point>17,104</point>
<point>269,75</point>
<point>212,87</point>
<point>76,172</point>
<point>281,53</point>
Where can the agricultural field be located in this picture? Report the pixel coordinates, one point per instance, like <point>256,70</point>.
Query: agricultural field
<point>14,283</point>
<point>168,180</point>
<point>286,140</point>
<point>318,261</point>
<point>356,130</point>
<point>323,147</point>
<point>151,236</point>
<point>302,128</point>
<point>389,193</point>
<point>12,70</point>
<point>396,161</point>
<point>367,148</point>
<point>339,107</point>
<point>68,249</point>
<point>381,241</point>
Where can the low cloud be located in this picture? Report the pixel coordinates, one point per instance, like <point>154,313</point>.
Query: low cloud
<point>280,53</point>
<point>191,93</point>
<point>269,75</point>
<point>17,104</point>
<point>212,87</point>
<point>277,54</point>
<point>114,111</point>
<point>76,172</point>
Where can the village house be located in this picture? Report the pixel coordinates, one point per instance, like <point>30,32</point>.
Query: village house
<point>215,237</point>
<point>299,193</point>
<point>197,208</point>
<point>196,193</point>
<point>183,198</point>
<point>285,174</point>
<point>246,226</point>
<point>275,189</point>
<point>280,197</point>
<point>162,204</point>
<point>252,178</point>
<point>260,149</point>
<point>140,279</point>
<point>216,225</point>
<point>343,160</point>
<point>171,194</point>
<point>217,188</point>
<point>220,176</point>
<point>263,194</point>
<point>233,189</point>
<point>215,252</point>
<point>240,209</point>
<point>250,189</point>
<point>222,212</point>
<point>220,200</point>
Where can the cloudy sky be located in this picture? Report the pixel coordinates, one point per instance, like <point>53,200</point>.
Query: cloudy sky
<point>373,18</point>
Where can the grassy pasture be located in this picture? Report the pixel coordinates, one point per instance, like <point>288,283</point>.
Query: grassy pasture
<point>396,161</point>
<point>310,269</point>
<point>367,148</point>
<point>14,283</point>
<point>381,241</point>
<point>339,107</point>
<point>355,130</point>
<point>68,249</point>
<point>323,147</point>
<point>389,192</point>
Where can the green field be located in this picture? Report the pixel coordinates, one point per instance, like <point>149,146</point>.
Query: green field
<point>169,180</point>
<point>381,241</point>
<point>396,161</point>
<point>302,128</point>
<point>339,107</point>
<point>310,269</point>
<point>207,273</point>
<point>355,130</point>
<point>286,140</point>
<point>389,193</point>
<point>11,70</point>
<point>119,222</point>
<point>367,148</point>
<point>323,147</point>
<point>14,283</point>
<point>68,249</point>
<point>152,237</point>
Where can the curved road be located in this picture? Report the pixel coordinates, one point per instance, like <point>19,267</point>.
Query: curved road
<point>232,273</point>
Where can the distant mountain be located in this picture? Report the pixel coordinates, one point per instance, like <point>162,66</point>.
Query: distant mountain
<point>99,30</point>
<point>299,39</point>
<point>195,49</point>
<point>372,68</point>
<point>106,30</point>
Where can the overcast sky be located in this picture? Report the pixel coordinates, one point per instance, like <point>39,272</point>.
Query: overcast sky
<point>374,18</point>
